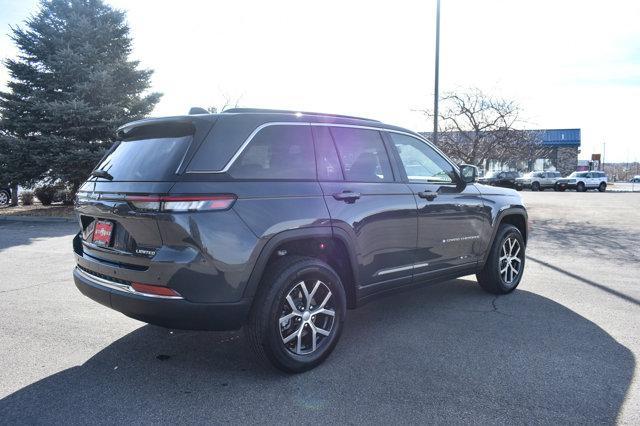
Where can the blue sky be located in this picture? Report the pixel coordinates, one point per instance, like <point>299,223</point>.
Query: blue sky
<point>568,63</point>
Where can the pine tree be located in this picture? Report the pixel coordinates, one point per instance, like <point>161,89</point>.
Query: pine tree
<point>71,86</point>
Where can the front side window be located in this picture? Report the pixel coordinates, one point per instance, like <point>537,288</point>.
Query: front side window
<point>362,155</point>
<point>277,152</point>
<point>421,162</point>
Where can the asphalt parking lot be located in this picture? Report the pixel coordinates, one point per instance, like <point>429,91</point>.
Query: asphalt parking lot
<point>561,349</point>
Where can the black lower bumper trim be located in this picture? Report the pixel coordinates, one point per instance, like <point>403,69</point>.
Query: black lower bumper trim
<point>170,313</point>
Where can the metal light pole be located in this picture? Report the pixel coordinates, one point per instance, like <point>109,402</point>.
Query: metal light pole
<point>437,75</point>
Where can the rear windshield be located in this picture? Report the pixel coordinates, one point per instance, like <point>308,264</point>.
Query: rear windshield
<point>154,159</point>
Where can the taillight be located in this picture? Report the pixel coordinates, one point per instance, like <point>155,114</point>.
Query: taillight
<point>182,203</point>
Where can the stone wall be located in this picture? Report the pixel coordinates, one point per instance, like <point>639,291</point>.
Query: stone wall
<point>566,159</point>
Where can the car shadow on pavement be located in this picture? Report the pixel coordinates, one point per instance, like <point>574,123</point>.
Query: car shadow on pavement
<point>446,353</point>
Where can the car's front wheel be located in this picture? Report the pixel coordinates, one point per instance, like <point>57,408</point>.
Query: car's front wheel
<point>602,187</point>
<point>504,267</point>
<point>581,187</point>
<point>297,315</point>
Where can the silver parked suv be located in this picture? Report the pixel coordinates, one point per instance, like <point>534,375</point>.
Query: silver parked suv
<point>539,181</point>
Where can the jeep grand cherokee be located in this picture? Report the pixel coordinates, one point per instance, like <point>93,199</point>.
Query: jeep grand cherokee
<point>281,221</point>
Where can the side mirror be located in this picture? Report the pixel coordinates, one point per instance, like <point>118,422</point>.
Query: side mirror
<point>468,173</point>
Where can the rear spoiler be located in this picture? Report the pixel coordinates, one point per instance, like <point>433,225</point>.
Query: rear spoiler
<point>155,127</point>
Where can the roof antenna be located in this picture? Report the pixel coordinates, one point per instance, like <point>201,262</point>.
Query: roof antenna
<point>197,110</point>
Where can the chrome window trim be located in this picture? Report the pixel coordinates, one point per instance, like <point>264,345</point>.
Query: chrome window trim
<point>119,286</point>
<point>247,141</point>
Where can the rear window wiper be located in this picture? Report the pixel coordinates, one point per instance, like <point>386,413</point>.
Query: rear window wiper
<point>102,174</point>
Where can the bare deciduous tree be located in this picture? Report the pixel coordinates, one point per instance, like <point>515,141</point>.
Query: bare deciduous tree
<point>227,104</point>
<point>474,127</point>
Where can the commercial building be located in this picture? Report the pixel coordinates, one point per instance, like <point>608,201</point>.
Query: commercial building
<point>561,149</point>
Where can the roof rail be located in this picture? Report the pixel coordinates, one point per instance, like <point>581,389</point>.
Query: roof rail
<point>284,111</point>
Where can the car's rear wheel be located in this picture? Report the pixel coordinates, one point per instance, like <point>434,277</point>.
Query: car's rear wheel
<point>602,187</point>
<point>581,187</point>
<point>297,315</point>
<point>556,187</point>
<point>5,197</point>
<point>535,186</point>
<point>504,267</point>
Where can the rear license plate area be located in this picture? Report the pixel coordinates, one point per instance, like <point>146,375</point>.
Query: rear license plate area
<point>102,233</point>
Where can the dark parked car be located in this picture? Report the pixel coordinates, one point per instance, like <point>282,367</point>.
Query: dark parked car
<point>280,221</point>
<point>503,179</point>
<point>5,195</point>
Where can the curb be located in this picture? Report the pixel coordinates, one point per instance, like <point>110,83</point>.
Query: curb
<point>42,219</point>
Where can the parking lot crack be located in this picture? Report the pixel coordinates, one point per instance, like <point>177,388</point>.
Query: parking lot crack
<point>495,307</point>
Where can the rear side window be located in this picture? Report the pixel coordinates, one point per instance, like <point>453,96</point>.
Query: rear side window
<point>153,159</point>
<point>362,155</point>
<point>277,152</point>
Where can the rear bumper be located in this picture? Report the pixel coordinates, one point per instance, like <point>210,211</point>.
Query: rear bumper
<point>170,313</point>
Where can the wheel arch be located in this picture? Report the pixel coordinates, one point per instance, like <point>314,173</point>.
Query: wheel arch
<point>336,251</point>
<point>516,216</point>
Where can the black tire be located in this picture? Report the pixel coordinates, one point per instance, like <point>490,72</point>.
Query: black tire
<point>263,330</point>
<point>580,187</point>
<point>5,197</point>
<point>519,187</point>
<point>490,277</point>
<point>535,186</point>
<point>602,187</point>
<point>556,187</point>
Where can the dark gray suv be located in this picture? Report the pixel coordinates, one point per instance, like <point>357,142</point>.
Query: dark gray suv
<point>281,221</point>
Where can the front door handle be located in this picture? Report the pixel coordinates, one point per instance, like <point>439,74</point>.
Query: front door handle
<point>428,195</point>
<point>347,196</point>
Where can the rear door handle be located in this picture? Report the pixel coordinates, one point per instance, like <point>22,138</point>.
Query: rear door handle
<point>347,196</point>
<point>428,195</point>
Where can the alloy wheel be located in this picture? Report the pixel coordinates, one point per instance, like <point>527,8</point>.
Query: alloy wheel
<point>4,198</point>
<point>510,261</point>
<point>307,317</point>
